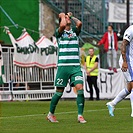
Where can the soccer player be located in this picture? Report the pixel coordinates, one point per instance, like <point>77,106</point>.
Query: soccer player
<point>126,64</point>
<point>68,64</point>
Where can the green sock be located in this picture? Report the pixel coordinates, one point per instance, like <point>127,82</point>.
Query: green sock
<point>56,97</point>
<point>80,101</point>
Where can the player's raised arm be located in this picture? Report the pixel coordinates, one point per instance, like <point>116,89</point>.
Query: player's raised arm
<point>123,52</point>
<point>62,22</point>
<point>77,21</point>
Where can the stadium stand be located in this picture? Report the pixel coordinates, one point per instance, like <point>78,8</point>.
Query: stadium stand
<point>92,13</point>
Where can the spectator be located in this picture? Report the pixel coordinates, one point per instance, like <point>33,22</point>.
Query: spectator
<point>110,42</point>
<point>91,66</point>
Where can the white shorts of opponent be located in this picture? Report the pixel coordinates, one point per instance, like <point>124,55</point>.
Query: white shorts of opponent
<point>129,73</point>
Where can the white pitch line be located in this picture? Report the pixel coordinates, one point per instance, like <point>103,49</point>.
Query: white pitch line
<point>71,112</point>
<point>20,116</point>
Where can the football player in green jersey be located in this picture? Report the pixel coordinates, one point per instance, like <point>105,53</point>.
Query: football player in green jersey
<point>68,67</point>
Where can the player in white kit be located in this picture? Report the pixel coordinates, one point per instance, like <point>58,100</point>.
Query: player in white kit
<point>126,64</point>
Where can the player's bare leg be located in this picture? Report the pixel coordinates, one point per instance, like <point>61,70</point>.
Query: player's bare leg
<point>80,102</point>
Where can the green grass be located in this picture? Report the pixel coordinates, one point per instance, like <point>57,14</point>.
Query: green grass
<point>28,117</point>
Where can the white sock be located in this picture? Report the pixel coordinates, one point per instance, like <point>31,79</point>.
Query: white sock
<point>50,113</point>
<point>122,94</point>
<point>131,99</point>
<point>79,116</point>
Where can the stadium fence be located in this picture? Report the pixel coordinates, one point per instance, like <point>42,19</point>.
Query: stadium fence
<point>31,83</point>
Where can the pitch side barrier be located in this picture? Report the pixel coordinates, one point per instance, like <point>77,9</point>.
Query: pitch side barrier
<point>31,83</point>
<point>34,83</point>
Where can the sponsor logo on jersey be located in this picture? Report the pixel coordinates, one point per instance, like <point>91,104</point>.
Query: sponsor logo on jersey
<point>78,78</point>
<point>128,36</point>
<point>69,34</point>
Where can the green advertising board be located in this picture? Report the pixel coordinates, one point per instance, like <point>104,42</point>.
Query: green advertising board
<point>25,13</point>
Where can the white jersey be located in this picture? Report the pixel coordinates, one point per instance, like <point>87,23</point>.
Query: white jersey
<point>128,35</point>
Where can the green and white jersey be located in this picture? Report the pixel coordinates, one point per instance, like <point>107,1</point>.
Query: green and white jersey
<point>68,47</point>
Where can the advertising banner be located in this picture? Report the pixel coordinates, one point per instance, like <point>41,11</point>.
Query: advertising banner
<point>109,83</point>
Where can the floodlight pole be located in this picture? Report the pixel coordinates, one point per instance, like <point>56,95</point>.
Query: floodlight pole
<point>128,13</point>
<point>66,6</point>
<point>104,16</point>
<point>8,17</point>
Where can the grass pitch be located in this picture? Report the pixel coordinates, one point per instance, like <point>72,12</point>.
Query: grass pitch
<point>29,117</point>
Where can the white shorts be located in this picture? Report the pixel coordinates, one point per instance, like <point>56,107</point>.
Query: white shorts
<point>129,73</point>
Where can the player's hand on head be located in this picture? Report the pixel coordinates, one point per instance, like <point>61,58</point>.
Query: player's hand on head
<point>124,67</point>
<point>70,14</point>
<point>61,15</point>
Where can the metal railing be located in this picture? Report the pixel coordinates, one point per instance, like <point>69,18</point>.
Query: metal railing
<point>25,83</point>
<point>92,13</point>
